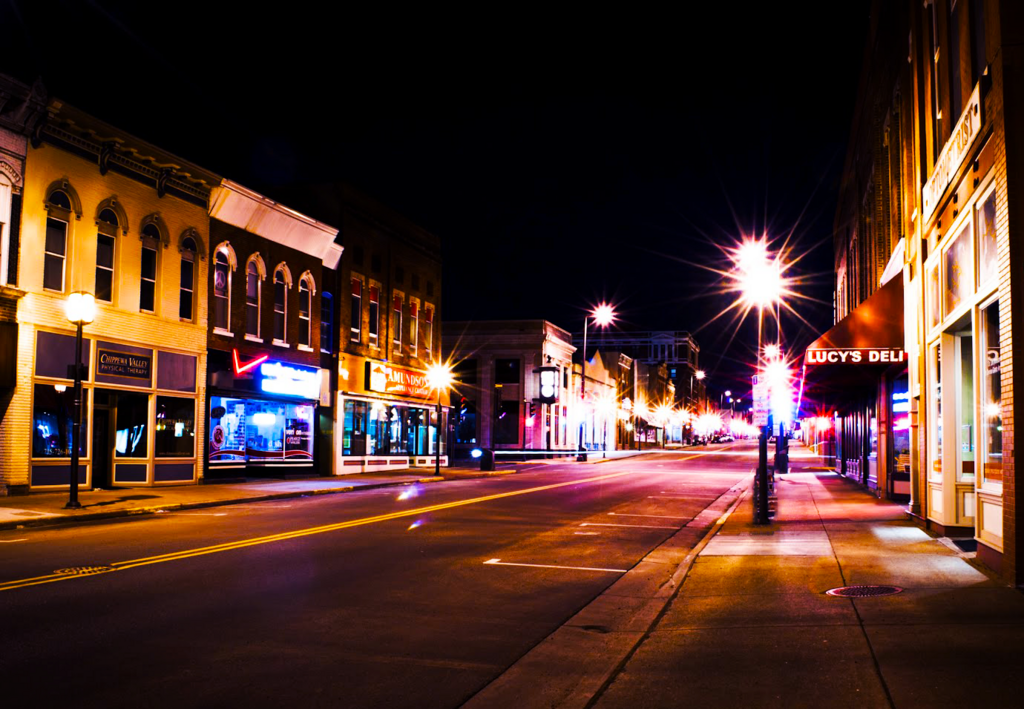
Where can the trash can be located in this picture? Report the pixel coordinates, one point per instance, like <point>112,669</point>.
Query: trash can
<point>487,459</point>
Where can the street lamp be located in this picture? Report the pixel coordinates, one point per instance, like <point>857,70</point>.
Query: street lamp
<point>603,316</point>
<point>699,375</point>
<point>439,376</point>
<point>80,309</point>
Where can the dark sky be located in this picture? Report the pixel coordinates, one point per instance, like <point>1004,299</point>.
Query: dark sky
<point>562,158</point>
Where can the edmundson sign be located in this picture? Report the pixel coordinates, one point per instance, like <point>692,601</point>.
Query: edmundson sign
<point>859,355</point>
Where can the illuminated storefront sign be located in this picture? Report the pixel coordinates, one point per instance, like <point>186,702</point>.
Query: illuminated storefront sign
<point>861,355</point>
<point>386,379</point>
<point>289,380</point>
<point>123,364</point>
<point>953,153</point>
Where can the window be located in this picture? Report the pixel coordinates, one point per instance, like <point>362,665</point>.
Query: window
<point>131,439</point>
<point>428,328</point>
<point>413,324</point>
<point>106,232</point>
<point>374,323</point>
<point>465,422</point>
<point>506,371</point>
<point>280,306</point>
<point>958,269</point>
<point>356,311</point>
<point>252,299</point>
<point>187,285</point>
<point>506,422</point>
<point>991,396</point>
<point>52,419</point>
<point>396,322</point>
<point>55,249</point>
<point>221,292</point>
<point>326,323</point>
<point>304,319</point>
<point>175,427</point>
<point>932,285</point>
<point>10,216</point>
<point>147,286</point>
<point>988,258</point>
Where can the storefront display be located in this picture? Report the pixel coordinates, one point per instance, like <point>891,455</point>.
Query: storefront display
<point>260,431</point>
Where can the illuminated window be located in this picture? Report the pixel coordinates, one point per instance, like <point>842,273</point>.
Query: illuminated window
<point>221,291</point>
<point>253,288</point>
<point>305,305</point>
<point>106,232</point>
<point>55,248</point>
<point>396,322</point>
<point>356,311</point>
<point>413,324</point>
<point>428,328</point>
<point>374,321</point>
<point>147,284</point>
<point>187,284</point>
<point>280,306</point>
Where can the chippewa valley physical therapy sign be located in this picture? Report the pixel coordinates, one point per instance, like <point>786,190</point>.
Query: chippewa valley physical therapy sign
<point>859,355</point>
<point>123,364</point>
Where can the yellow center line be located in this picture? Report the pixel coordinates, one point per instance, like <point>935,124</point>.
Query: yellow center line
<point>295,534</point>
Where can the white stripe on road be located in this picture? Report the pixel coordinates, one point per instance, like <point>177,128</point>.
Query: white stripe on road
<point>198,514</point>
<point>12,541</point>
<point>635,526</point>
<point>588,534</point>
<point>499,562</point>
<point>627,514</point>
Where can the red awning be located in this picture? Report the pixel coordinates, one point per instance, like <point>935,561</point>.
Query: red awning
<point>877,323</point>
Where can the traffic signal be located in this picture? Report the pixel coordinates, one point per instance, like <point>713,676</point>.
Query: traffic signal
<point>548,385</point>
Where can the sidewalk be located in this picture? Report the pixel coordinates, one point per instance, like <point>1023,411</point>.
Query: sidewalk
<point>752,626</point>
<point>47,508</point>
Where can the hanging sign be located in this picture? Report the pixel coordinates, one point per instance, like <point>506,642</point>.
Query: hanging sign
<point>285,379</point>
<point>855,355</point>
<point>953,154</point>
<point>386,379</point>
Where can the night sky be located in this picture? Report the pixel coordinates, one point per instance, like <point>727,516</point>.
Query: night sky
<point>562,158</point>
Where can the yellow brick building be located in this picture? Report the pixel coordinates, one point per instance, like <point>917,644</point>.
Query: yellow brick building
<point>106,213</point>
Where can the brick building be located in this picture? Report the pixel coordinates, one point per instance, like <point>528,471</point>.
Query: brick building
<point>927,209</point>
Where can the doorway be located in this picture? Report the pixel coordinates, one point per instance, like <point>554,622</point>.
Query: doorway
<point>102,438</point>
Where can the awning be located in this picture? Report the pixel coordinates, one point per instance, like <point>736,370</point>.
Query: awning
<point>848,359</point>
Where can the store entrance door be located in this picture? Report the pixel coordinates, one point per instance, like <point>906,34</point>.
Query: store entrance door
<point>102,438</point>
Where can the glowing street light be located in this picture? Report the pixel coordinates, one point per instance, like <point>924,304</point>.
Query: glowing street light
<point>603,316</point>
<point>80,309</point>
<point>439,376</point>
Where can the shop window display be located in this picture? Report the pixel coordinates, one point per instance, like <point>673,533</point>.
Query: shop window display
<point>959,270</point>
<point>257,430</point>
<point>988,258</point>
<point>175,427</point>
<point>52,419</point>
<point>132,436</point>
<point>991,397</point>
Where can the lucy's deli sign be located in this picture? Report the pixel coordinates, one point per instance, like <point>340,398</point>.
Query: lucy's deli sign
<point>123,364</point>
<point>396,380</point>
<point>859,355</point>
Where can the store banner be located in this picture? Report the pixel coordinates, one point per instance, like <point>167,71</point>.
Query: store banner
<point>387,379</point>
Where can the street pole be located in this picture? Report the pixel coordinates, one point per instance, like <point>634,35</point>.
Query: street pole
<point>437,438</point>
<point>582,457</point>
<point>73,503</point>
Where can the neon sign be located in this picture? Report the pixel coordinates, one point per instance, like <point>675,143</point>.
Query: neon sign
<point>289,380</point>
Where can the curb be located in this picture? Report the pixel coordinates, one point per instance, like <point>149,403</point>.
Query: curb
<point>68,521</point>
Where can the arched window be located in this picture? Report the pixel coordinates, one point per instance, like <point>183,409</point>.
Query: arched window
<point>55,250</point>
<point>188,278</point>
<point>253,293</point>
<point>106,231</point>
<point>147,286</point>
<point>306,291</point>
<point>280,305</point>
<point>221,291</point>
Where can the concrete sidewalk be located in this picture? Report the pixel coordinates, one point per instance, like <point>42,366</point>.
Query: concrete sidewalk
<point>752,626</point>
<point>47,508</point>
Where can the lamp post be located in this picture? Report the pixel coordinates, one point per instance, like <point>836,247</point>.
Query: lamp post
<point>758,279</point>
<point>603,315</point>
<point>80,310</point>
<point>439,376</point>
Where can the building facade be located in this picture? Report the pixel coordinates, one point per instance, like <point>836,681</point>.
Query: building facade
<point>108,214</point>
<point>927,202</point>
<point>265,386</point>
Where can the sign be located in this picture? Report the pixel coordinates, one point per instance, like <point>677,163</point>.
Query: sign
<point>762,403</point>
<point>953,153</point>
<point>123,364</point>
<point>860,355</point>
<point>289,380</point>
<point>386,379</point>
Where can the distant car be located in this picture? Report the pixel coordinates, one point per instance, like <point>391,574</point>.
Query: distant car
<point>726,439</point>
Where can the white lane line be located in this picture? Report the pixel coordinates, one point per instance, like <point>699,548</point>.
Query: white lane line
<point>669,497</point>
<point>588,534</point>
<point>198,514</point>
<point>499,562</point>
<point>635,526</point>
<point>628,514</point>
<point>12,541</point>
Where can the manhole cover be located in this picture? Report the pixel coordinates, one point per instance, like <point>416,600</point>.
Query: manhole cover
<point>84,570</point>
<point>863,591</point>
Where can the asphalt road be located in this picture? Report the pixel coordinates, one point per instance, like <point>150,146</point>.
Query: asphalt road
<point>372,599</point>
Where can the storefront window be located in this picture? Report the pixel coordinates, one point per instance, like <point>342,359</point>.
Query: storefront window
<point>959,269</point>
<point>354,440</point>
<point>52,419</point>
<point>175,427</point>
<point>378,428</point>
<point>506,423</point>
<point>988,259</point>
<point>132,437</point>
<point>258,430</point>
<point>934,311</point>
<point>465,422</point>
<point>965,344</point>
<point>991,397</point>
<point>900,417</point>
<point>936,405</point>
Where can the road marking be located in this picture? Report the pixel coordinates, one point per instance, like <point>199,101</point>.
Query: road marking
<point>635,526</point>
<point>627,514</point>
<point>587,534</point>
<point>285,536</point>
<point>198,514</point>
<point>669,497</point>
<point>12,541</point>
<point>499,562</point>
